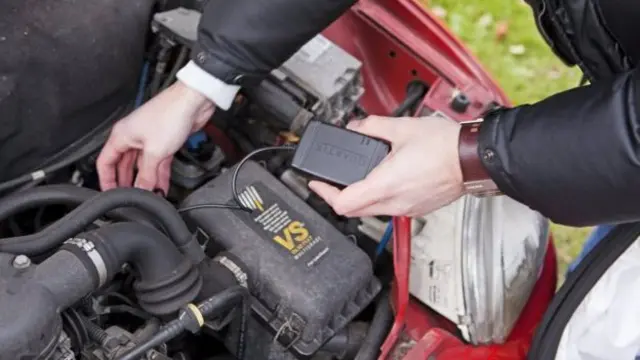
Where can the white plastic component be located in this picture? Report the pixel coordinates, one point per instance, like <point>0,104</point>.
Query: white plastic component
<point>435,277</point>
<point>605,325</point>
<point>374,228</point>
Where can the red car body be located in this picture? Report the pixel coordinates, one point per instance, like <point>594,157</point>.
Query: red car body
<point>399,41</point>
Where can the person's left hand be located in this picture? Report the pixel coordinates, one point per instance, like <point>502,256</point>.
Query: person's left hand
<point>421,174</point>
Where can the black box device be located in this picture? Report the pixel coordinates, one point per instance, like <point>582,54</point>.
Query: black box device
<point>336,155</point>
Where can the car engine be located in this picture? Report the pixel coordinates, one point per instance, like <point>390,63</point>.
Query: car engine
<point>129,274</point>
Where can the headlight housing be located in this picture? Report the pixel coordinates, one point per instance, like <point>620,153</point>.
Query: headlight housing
<point>476,262</point>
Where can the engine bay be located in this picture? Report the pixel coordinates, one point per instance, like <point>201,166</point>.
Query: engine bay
<point>127,274</point>
<point>267,271</point>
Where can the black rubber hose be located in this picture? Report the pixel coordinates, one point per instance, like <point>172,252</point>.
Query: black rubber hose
<point>415,92</point>
<point>69,195</point>
<point>82,216</point>
<point>165,279</point>
<point>380,325</point>
<point>346,343</point>
<point>212,307</point>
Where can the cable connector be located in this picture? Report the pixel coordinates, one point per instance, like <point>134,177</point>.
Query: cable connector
<point>192,318</point>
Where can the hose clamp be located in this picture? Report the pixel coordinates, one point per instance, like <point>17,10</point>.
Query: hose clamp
<point>89,248</point>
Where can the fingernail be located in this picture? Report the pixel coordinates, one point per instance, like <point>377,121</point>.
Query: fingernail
<point>160,192</point>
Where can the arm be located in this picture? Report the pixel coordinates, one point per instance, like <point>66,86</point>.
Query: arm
<point>241,41</point>
<point>574,157</point>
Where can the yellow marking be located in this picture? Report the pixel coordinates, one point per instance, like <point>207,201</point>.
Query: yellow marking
<point>290,137</point>
<point>258,205</point>
<point>289,241</point>
<point>196,312</point>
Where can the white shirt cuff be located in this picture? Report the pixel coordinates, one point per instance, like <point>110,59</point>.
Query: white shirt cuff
<point>221,93</point>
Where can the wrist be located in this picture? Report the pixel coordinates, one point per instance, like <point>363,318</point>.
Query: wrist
<point>207,86</point>
<point>475,177</point>
<point>191,95</point>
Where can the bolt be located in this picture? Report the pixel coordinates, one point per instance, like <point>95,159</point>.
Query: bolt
<point>21,262</point>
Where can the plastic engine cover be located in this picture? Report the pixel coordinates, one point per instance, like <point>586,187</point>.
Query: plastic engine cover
<point>308,279</point>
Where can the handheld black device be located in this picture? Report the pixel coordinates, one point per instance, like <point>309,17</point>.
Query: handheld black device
<point>336,155</point>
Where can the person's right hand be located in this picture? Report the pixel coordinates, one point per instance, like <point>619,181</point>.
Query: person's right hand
<point>149,137</point>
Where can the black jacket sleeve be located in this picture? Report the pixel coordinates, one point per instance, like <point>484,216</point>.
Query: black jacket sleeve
<point>241,41</point>
<point>574,157</point>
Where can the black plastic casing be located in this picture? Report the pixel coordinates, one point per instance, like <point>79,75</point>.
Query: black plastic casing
<point>307,279</point>
<point>336,155</point>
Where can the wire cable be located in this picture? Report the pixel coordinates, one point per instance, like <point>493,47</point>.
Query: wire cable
<point>234,179</point>
<point>210,206</point>
<point>234,182</point>
<point>182,56</point>
<point>388,232</point>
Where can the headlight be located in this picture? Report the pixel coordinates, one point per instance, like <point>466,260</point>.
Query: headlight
<point>476,262</point>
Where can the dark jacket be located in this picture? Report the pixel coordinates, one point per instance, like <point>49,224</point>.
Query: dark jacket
<point>575,156</point>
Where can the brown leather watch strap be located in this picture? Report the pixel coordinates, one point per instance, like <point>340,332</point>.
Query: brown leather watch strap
<point>474,175</point>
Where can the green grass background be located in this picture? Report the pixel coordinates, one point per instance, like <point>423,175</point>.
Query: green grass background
<point>521,62</point>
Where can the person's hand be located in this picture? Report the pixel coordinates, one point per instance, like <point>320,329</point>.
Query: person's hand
<point>149,137</point>
<point>421,174</point>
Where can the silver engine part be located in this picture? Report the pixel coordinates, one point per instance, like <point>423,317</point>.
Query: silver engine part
<point>321,81</point>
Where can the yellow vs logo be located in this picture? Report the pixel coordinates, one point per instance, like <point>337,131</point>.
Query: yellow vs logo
<point>294,234</point>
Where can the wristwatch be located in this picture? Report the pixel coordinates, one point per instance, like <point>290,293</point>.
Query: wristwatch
<point>475,177</point>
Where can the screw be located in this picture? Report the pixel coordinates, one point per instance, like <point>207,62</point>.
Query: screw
<point>201,57</point>
<point>21,262</point>
<point>489,155</point>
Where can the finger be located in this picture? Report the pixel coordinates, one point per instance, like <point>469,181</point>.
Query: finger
<point>327,192</point>
<point>385,207</point>
<point>377,186</point>
<point>106,164</point>
<point>376,126</point>
<point>147,177</point>
<point>164,175</point>
<point>125,168</point>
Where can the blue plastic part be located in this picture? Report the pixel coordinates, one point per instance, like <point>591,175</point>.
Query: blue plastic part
<point>195,140</point>
<point>388,233</point>
<point>594,238</point>
<point>142,85</point>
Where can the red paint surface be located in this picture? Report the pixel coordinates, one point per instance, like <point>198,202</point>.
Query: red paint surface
<point>399,41</point>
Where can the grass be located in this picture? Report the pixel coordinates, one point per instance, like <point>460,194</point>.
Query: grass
<point>504,37</point>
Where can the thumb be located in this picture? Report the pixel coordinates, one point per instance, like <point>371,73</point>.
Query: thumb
<point>376,126</point>
<point>148,165</point>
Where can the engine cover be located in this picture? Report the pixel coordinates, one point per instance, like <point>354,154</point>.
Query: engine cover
<point>308,279</point>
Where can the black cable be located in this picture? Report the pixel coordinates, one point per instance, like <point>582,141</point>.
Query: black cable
<point>191,319</point>
<point>182,56</point>
<point>378,329</point>
<point>125,309</point>
<point>415,92</point>
<point>234,179</point>
<point>234,183</point>
<point>209,206</point>
<point>161,64</point>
